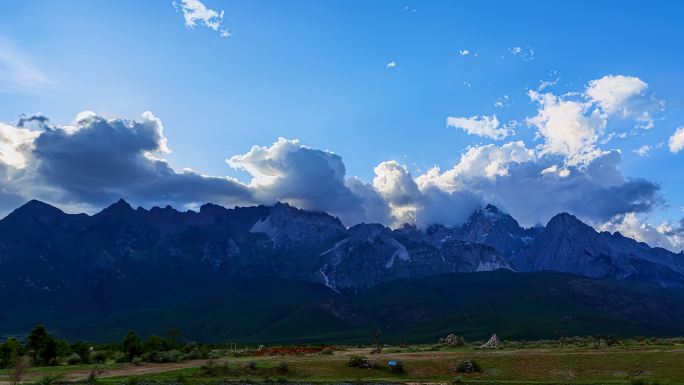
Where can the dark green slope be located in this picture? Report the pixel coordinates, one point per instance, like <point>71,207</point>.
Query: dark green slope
<point>522,305</point>
<point>514,305</point>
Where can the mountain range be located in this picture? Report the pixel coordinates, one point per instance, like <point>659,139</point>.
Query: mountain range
<point>74,269</point>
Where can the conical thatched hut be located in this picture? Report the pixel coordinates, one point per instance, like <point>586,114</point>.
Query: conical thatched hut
<point>493,343</point>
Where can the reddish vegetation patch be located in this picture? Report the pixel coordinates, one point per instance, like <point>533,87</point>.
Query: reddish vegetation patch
<point>292,350</point>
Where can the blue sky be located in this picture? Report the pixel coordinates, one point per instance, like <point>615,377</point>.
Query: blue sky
<point>318,71</point>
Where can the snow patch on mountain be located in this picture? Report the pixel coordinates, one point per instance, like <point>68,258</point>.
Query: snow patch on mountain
<point>337,245</point>
<point>401,252</point>
<point>263,226</point>
<point>326,280</point>
<point>491,266</point>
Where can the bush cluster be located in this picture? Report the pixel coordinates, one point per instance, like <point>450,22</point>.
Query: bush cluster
<point>468,367</point>
<point>360,362</point>
<point>42,349</point>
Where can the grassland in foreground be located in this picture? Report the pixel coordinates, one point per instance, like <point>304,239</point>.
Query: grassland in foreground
<point>657,364</point>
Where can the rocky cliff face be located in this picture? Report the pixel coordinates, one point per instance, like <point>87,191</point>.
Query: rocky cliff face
<point>568,245</point>
<point>489,226</point>
<point>373,253</point>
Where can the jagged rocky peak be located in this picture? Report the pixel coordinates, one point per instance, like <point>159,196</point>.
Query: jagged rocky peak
<point>407,228</point>
<point>166,208</point>
<point>489,215</point>
<point>565,221</point>
<point>285,223</point>
<point>37,208</point>
<point>369,232</point>
<point>284,214</point>
<point>208,208</point>
<point>121,207</point>
<point>492,211</point>
<point>491,226</point>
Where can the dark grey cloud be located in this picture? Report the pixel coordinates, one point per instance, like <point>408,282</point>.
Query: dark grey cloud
<point>311,179</point>
<point>96,160</point>
<point>26,120</point>
<point>535,197</point>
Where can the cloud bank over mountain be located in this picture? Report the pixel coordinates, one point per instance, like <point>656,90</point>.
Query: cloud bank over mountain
<point>94,160</point>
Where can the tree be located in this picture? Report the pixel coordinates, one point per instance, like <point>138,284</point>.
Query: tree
<point>10,351</point>
<point>376,340</point>
<point>83,350</point>
<point>18,370</point>
<point>42,345</point>
<point>155,343</point>
<point>173,336</point>
<point>131,346</point>
<point>63,348</point>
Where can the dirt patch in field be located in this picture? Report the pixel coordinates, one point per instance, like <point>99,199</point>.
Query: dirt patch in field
<point>293,351</point>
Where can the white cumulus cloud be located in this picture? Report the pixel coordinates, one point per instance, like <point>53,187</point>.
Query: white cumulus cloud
<point>486,126</point>
<point>666,235</point>
<point>643,150</point>
<point>570,128</point>
<point>625,96</point>
<point>613,92</point>
<point>676,142</point>
<point>196,13</point>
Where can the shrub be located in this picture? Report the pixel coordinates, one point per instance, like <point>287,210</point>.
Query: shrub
<point>468,367</point>
<point>74,359</point>
<point>137,361</point>
<point>83,350</point>
<point>99,357</point>
<point>283,367</point>
<point>194,353</point>
<point>161,357</point>
<point>327,351</point>
<point>359,362</point>
<point>17,370</point>
<point>641,381</point>
<point>209,369</point>
<point>94,375</point>
<point>251,366</point>
<point>50,380</point>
